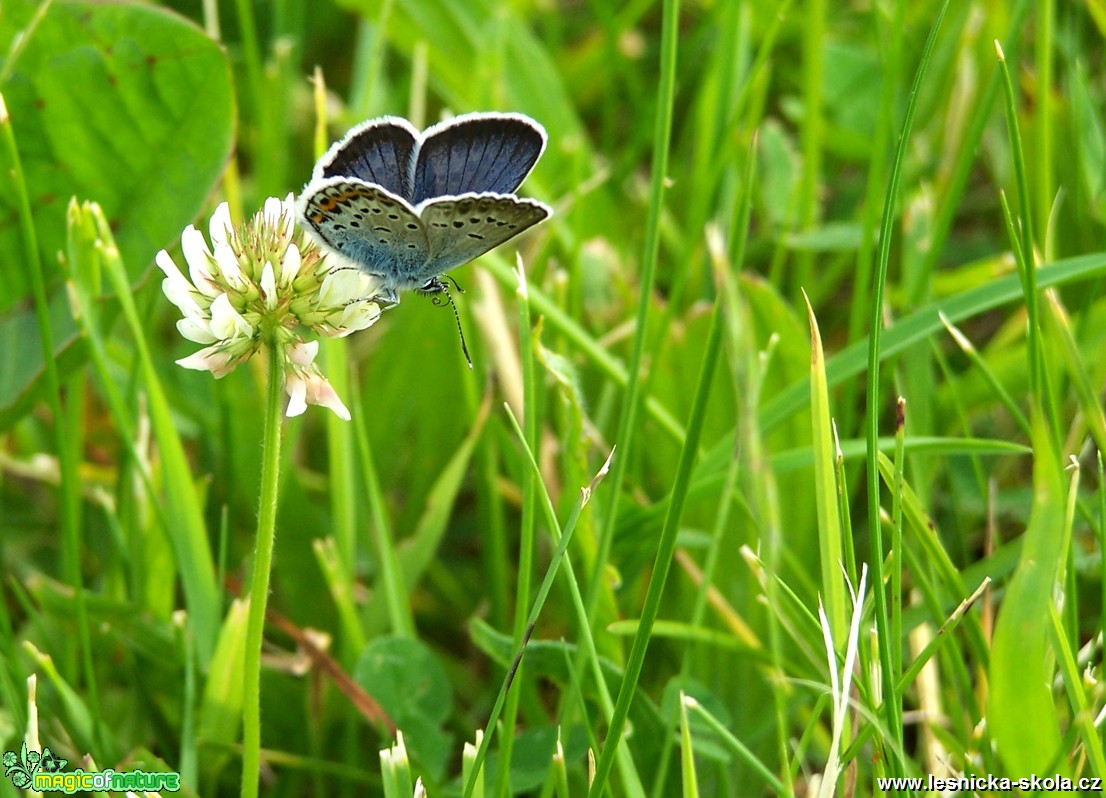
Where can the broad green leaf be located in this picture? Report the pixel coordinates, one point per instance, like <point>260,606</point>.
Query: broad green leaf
<point>1021,710</point>
<point>851,80</point>
<point>412,687</point>
<point>21,363</point>
<point>128,105</point>
<point>551,659</point>
<point>779,173</point>
<point>532,753</point>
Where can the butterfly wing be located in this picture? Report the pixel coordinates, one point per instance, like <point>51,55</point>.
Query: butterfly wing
<point>476,153</point>
<point>376,229</point>
<point>408,207</point>
<point>459,229</point>
<point>380,151</point>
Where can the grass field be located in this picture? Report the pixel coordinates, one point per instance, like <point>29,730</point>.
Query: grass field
<point>825,279</point>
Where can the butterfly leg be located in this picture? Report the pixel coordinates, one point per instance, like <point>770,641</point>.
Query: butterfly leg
<point>385,302</point>
<point>387,295</point>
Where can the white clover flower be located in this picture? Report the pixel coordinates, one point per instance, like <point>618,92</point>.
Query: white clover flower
<point>265,283</point>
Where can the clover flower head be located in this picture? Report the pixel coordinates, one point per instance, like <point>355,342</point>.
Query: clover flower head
<point>264,283</point>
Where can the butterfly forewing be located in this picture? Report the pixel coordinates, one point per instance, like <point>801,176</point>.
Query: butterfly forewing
<point>460,229</point>
<point>379,152</point>
<point>485,153</point>
<point>369,225</point>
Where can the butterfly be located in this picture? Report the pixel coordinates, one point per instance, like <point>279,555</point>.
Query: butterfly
<point>407,206</point>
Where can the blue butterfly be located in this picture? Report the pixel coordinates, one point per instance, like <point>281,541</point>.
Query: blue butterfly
<point>407,206</point>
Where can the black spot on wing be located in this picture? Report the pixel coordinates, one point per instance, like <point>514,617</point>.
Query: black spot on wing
<point>460,229</point>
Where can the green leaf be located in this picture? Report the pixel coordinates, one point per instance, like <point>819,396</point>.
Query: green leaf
<point>550,659</point>
<point>1021,711</point>
<point>127,105</point>
<point>412,687</point>
<point>22,368</point>
<point>531,755</point>
<point>779,171</point>
<point>221,710</point>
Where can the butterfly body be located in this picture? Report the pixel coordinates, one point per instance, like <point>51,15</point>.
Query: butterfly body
<point>409,206</point>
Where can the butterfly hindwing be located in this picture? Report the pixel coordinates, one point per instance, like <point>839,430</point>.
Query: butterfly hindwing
<point>369,225</point>
<point>380,152</point>
<point>476,153</point>
<point>460,229</point>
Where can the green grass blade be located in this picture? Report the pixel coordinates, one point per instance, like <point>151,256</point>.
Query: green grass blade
<point>923,322</point>
<point>665,551</point>
<point>875,355</point>
<point>825,488</point>
<point>662,137</point>
<point>186,529</point>
<point>737,747</point>
<point>687,754</point>
<point>65,439</point>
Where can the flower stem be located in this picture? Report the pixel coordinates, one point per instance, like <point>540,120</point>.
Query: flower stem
<point>259,583</point>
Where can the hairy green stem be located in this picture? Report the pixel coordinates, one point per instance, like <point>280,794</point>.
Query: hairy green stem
<point>259,582</point>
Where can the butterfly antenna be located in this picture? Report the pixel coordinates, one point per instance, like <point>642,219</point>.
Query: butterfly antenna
<point>457,318</point>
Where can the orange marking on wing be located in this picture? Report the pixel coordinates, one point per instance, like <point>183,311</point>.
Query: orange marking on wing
<point>352,193</point>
